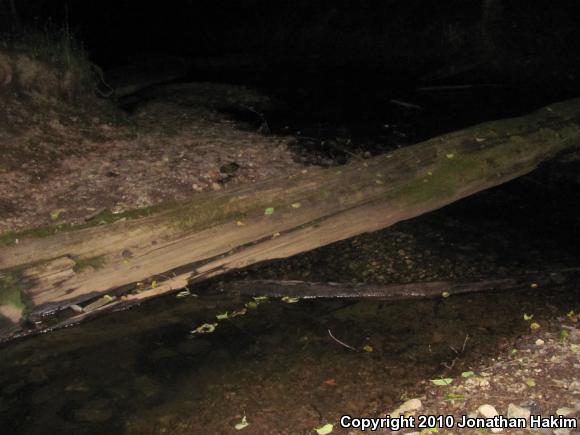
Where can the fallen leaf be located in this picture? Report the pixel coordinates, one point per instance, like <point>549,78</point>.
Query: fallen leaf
<point>467,374</point>
<point>223,316</point>
<point>54,215</point>
<point>450,155</point>
<point>269,211</point>
<point>454,396</point>
<point>368,348</point>
<point>528,317</point>
<point>206,328</point>
<point>296,205</point>
<point>325,429</point>
<point>534,326</point>
<point>445,294</point>
<point>330,381</point>
<point>442,382</point>
<point>290,300</point>
<point>240,223</point>
<point>242,424</point>
<point>183,294</point>
<point>530,382</point>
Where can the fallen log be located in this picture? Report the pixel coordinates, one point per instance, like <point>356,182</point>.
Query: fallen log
<point>397,292</point>
<point>150,252</point>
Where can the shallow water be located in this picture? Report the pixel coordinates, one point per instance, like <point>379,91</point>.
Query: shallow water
<point>143,371</point>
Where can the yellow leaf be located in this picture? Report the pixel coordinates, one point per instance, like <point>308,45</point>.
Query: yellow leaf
<point>325,429</point>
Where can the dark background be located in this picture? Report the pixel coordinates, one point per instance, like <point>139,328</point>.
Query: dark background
<point>517,39</point>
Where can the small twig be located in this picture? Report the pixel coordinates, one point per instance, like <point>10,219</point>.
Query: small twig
<point>464,343</point>
<point>448,366</point>
<point>341,342</point>
<point>405,104</point>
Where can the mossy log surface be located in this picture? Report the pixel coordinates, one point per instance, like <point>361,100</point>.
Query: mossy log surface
<point>156,251</point>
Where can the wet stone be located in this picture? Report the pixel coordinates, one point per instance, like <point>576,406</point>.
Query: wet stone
<point>95,411</point>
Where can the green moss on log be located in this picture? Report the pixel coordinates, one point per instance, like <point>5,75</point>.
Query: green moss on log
<point>11,290</point>
<point>92,262</point>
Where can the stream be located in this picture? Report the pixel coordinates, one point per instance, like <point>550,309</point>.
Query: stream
<point>285,365</point>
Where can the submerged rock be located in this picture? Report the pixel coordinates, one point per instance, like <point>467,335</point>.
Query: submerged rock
<point>96,411</point>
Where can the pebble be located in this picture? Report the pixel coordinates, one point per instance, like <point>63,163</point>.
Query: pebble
<point>96,411</point>
<point>488,411</point>
<point>410,405</point>
<point>566,412</point>
<point>515,411</point>
<point>574,387</point>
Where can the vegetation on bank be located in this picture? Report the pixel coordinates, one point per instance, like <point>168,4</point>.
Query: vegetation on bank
<point>46,63</point>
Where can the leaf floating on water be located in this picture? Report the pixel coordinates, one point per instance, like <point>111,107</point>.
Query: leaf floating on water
<point>269,211</point>
<point>534,326</point>
<point>368,348</point>
<point>223,316</point>
<point>296,205</point>
<point>528,317</point>
<point>183,294</point>
<point>325,429</point>
<point>237,313</point>
<point>442,382</point>
<point>467,374</point>
<point>290,300</point>
<point>242,424</point>
<point>206,328</point>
